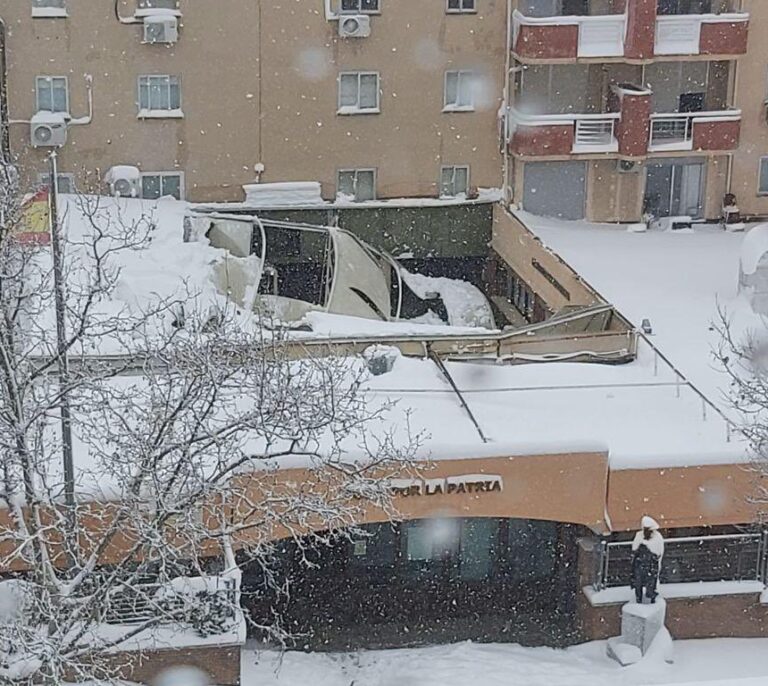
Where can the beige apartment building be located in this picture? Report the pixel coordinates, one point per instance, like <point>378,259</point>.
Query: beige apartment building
<point>609,109</point>
<point>198,94</point>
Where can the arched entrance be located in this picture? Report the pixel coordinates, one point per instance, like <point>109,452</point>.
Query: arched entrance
<point>427,581</point>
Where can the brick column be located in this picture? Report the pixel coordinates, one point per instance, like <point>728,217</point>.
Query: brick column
<point>641,29</point>
<point>634,128</point>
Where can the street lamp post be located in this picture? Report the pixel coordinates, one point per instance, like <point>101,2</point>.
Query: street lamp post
<point>61,344</point>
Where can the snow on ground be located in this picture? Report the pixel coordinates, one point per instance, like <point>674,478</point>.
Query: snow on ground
<point>710,662</point>
<point>675,279</point>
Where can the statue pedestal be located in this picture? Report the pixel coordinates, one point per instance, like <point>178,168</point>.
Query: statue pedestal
<point>640,624</point>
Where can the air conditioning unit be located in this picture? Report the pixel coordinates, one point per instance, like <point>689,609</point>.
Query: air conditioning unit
<point>354,26</point>
<point>124,181</point>
<point>161,28</point>
<point>627,166</point>
<point>48,130</point>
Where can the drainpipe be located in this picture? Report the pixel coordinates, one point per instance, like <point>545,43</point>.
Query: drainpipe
<point>505,194</point>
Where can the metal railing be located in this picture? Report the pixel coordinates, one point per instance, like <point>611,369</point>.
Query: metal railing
<point>595,132</point>
<point>670,129</point>
<point>143,602</point>
<point>724,557</point>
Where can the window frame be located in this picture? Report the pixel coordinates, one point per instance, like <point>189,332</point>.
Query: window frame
<point>52,11</point>
<point>160,175</point>
<point>51,77</point>
<point>359,10</point>
<point>356,171</point>
<point>151,112</point>
<point>141,5</point>
<point>763,160</point>
<point>43,180</point>
<point>453,168</point>
<point>461,9</point>
<point>456,107</point>
<point>347,110</point>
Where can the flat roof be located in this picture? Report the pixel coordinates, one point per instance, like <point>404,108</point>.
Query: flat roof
<point>676,279</point>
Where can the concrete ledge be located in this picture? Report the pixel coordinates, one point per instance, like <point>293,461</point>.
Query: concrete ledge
<point>704,589</point>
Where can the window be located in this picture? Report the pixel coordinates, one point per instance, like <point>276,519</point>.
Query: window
<point>49,8</point>
<point>763,187</point>
<point>460,6</point>
<point>454,181</point>
<point>360,6</point>
<point>159,184</point>
<point>459,94</point>
<point>52,94</point>
<point>159,94</point>
<point>65,182</point>
<point>684,6</point>
<point>157,4</point>
<point>359,184</point>
<point>358,92</point>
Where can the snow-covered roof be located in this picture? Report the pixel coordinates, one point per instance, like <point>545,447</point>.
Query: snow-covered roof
<point>300,196</point>
<point>676,279</point>
<point>639,413</point>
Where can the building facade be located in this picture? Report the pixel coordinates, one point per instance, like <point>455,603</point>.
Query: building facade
<point>269,89</point>
<point>629,107</point>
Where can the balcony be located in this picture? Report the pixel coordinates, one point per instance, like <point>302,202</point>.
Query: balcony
<point>568,134</point>
<point>631,132</point>
<point>568,36</point>
<point>701,34</point>
<point>698,131</point>
<point>641,32</point>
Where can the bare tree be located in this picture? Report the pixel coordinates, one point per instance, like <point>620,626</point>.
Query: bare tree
<point>743,356</point>
<point>183,421</point>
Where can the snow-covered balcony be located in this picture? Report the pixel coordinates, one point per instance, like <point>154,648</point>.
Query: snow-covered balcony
<point>572,36</point>
<point>702,34</point>
<point>562,134</point>
<point>700,131</point>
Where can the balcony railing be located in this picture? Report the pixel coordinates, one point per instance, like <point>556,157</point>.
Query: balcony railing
<point>727,557</point>
<point>567,133</point>
<point>671,130</point>
<point>695,34</point>
<point>677,131</point>
<point>142,602</point>
<point>569,36</point>
<point>598,132</point>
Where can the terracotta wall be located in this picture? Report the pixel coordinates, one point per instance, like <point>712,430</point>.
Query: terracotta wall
<point>641,29</point>
<point>547,41</point>
<point>716,135</point>
<point>733,616</point>
<point>220,663</point>
<point>556,139</point>
<point>724,38</point>
<point>634,128</point>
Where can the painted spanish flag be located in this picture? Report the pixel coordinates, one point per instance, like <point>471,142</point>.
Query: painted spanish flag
<point>34,227</point>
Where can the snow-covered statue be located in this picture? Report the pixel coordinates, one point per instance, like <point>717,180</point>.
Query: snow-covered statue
<point>753,268</point>
<point>647,551</point>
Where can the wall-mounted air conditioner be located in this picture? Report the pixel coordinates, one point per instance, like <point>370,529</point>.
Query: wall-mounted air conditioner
<point>48,130</point>
<point>354,26</point>
<point>124,181</point>
<point>161,28</point>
